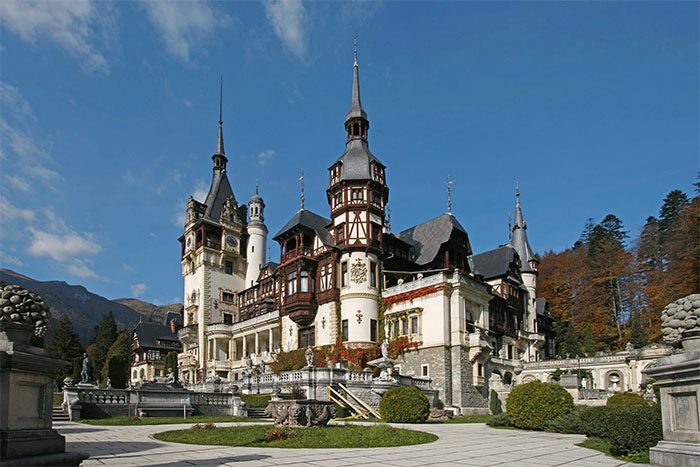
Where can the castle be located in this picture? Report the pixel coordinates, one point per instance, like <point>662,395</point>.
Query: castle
<point>347,277</point>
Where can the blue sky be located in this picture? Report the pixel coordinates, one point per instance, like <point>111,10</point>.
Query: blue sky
<point>108,118</point>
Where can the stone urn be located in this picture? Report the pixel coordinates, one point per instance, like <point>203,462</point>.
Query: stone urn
<point>680,322</point>
<point>22,313</point>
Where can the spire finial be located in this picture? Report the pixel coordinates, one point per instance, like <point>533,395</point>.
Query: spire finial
<point>354,46</point>
<point>517,191</point>
<point>301,183</point>
<point>256,188</point>
<point>220,138</point>
<point>450,182</point>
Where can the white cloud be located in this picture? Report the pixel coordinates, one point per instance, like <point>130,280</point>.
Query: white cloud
<point>9,211</point>
<point>5,258</point>
<point>290,23</point>
<point>19,183</point>
<point>62,247</point>
<point>138,289</point>
<point>84,29</point>
<point>359,11</point>
<point>80,269</point>
<point>265,157</point>
<point>200,191</point>
<point>184,25</point>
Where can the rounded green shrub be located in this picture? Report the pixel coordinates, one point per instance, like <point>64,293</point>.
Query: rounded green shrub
<point>625,398</point>
<point>495,403</point>
<point>594,422</point>
<point>570,423</point>
<point>532,404</point>
<point>404,404</point>
<point>633,428</point>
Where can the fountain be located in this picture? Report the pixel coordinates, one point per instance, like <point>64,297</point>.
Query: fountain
<point>385,380</point>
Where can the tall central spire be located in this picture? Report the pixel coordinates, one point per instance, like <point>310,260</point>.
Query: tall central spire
<point>356,122</point>
<point>519,238</point>
<point>220,138</point>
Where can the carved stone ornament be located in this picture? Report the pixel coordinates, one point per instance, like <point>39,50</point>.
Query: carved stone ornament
<point>301,413</point>
<point>358,271</point>
<point>680,318</point>
<point>20,307</point>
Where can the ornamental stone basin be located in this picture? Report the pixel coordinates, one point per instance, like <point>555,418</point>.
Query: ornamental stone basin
<point>301,412</point>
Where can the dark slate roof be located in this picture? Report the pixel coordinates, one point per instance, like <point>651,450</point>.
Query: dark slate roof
<point>309,220</point>
<point>541,306</point>
<point>356,161</point>
<point>148,333</point>
<point>494,263</point>
<point>426,238</point>
<point>520,242</point>
<point>219,192</point>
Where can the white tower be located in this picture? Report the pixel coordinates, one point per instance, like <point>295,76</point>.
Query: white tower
<point>357,195</point>
<point>257,239</point>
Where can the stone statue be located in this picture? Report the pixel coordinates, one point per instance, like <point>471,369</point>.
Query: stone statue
<point>109,383</point>
<point>679,318</point>
<point>170,378</point>
<point>629,347</point>
<point>649,394</point>
<point>385,349</point>
<point>249,364</point>
<point>309,354</point>
<point>85,373</point>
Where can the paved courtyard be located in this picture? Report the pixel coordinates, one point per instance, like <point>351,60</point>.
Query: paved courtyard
<point>459,444</point>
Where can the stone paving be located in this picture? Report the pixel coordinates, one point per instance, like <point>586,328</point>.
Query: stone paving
<point>472,444</point>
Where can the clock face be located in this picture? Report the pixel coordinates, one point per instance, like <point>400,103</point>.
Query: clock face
<point>231,241</point>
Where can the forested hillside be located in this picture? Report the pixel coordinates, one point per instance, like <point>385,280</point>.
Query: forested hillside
<point>609,288</point>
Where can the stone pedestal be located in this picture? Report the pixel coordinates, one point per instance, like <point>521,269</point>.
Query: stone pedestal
<point>26,390</point>
<point>678,378</point>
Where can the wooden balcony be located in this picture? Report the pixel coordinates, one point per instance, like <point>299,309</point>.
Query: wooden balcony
<point>296,252</point>
<point>301,307</point>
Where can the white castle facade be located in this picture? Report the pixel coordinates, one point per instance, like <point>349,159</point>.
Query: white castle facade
<point>347,277</point>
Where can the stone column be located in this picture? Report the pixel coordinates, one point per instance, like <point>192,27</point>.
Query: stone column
<point>26,390</point>
<point>269,341</point>
<point>245,347</point>
<point>257,344</point>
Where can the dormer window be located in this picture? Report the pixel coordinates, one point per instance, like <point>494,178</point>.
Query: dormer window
<point>357,194</point>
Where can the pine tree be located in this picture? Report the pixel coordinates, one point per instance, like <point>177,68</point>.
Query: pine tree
<point>65,345</point>
<point>589,347</point>
<point>568,345</point>
<point>104,338</point>
<point>116,367</point>
<point>674,204</point>
<point>638,336</point>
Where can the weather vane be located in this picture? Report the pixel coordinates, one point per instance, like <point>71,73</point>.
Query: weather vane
<point>301,196</point>
<point>450,182</point>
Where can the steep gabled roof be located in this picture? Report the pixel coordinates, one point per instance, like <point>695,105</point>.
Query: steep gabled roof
<point>149,333</point>
<point>427,238</point>
<point>519,241</point>
<point>311,221</point>
<point>495,263</point>
<point>219,192</point>
<point>356,161</point>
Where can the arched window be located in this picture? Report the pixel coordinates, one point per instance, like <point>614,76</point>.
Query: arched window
<point>142,374</point>
<point>614,381</point>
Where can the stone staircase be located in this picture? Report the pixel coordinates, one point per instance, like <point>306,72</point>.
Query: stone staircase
<point>59,415</point>
<point>257,412</point>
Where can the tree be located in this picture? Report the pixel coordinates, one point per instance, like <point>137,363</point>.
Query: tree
<point>674,204</point>
<point>104,338</point>
<point>589,347</point>
<point>65,345</point>
<point>568,345</point>
<point>116,367</point>
<point>171,363</point>
<point>638,336</point>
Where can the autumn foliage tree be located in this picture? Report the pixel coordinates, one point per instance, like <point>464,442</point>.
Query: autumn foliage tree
<point>607,292</point>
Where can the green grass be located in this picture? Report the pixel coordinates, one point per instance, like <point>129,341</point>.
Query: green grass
<point>603,446</point>
<point>348,436</point>
<point>256,400</point>
<point>126,421</point>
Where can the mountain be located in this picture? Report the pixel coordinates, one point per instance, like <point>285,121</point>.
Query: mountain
<point>86,309</point>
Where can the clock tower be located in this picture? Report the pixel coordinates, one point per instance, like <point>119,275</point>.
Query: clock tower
<point>357,195</point>
<point>213,263</point>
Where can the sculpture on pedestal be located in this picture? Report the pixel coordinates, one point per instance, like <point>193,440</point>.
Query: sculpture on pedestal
<point>85,373</point>
<point>309,354</point>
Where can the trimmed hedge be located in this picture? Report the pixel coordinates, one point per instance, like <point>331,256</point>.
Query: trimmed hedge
<point>495,403</point>
<point>404,404</point>
<point>633,428</point>
<point>569,423</point>
<point>533,404</point>
<point>625,398</point>
<point>500,420</point>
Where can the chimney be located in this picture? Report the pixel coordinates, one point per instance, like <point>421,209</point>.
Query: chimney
<point>173,327</point>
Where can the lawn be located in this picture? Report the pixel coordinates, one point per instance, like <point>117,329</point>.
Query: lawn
<point>348,436</point>
<point>126,421</point>
<point>603,446</point>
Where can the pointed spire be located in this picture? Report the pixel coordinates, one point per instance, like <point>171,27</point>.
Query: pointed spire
<point>356,109</point>
<point>220,138</point>
<point>301,183</point>
<point>519,237</point>
<point>450,182</point>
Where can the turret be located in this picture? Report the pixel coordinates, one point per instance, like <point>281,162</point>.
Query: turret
<point>257,239</point>
<point>528,262</point>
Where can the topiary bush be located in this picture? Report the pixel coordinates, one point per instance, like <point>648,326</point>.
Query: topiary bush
<point>404,404</point>
<point>594,422</point>
<point>495,403</point>
<point>625,398</point>
<point>532,404</point>
<point>633,428</point>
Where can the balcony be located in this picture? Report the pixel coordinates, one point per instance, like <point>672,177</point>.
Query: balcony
<point>188,334</point>
<point>301,307</point>
<point>296,252</point>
